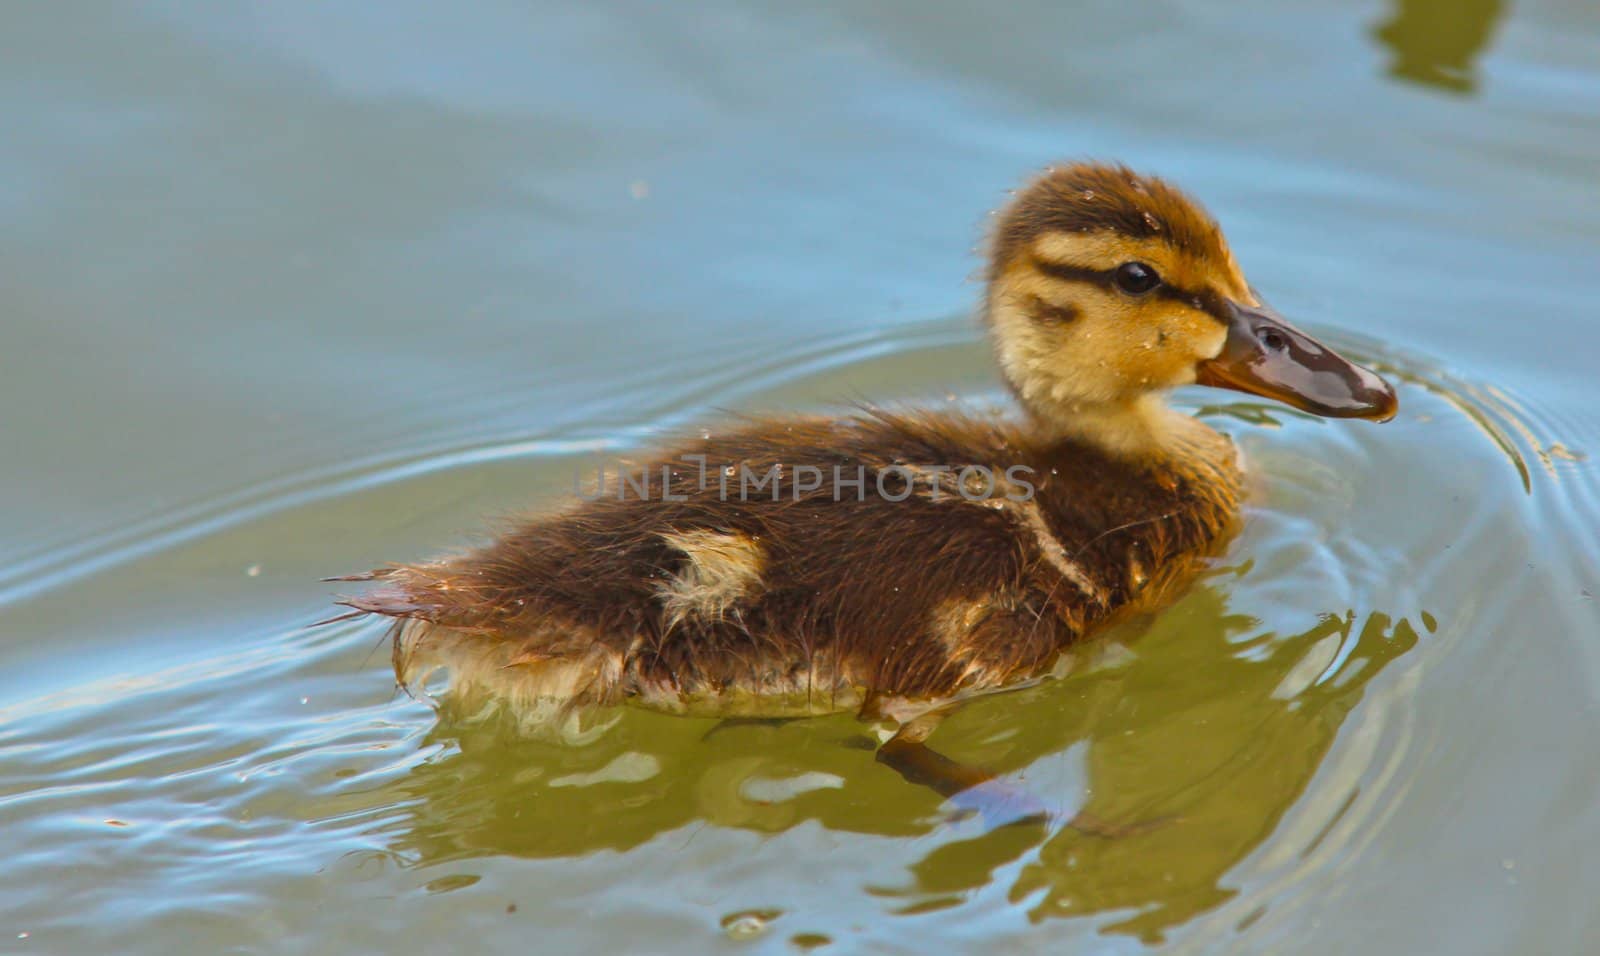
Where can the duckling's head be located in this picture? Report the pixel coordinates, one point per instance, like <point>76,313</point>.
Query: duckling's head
<point>1107,288</point>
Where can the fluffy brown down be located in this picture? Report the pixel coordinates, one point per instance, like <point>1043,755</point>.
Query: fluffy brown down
<point>920,598</point>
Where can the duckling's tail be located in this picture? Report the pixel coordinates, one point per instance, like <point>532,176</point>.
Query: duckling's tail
<point>446,616</point>
<point>372,575</point>
<point>370,603</point>
<point>408,592</point>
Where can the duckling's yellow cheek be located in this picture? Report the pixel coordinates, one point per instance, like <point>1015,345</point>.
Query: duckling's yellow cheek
<point>1040,354</point>
<point>1209,339</point>
<point>1164,349</point>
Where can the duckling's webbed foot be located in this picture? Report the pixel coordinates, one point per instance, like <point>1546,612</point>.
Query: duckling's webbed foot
<point>998,803</point>
<point>973,790</point>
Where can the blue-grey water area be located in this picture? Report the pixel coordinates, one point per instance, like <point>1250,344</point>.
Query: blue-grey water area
<point>295,289</point>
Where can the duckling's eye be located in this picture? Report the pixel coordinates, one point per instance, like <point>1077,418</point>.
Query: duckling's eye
<point>1136,278</point>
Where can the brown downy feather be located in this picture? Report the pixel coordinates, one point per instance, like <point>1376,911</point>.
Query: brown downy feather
<point>804,603</point>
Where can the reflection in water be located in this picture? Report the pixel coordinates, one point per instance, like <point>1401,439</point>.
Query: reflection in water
<point>1270,707</point>
<point>1437,42</point>
<point>1194,804</point>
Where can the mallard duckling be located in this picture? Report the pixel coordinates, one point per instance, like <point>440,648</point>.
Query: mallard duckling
<point>886,562</point>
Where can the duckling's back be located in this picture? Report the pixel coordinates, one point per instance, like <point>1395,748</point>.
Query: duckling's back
<point>809,565</point>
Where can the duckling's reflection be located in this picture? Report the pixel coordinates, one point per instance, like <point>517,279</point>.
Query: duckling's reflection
<point>1208,739</point>
<point>1197,748</point>
<point>1437,42</point>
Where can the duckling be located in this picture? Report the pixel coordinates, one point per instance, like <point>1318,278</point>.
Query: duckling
<point>890,562</point>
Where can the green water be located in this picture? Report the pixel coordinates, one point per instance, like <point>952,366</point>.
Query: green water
<point>292,289</point>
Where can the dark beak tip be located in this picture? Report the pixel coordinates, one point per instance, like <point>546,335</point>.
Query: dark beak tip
<point>1368,410</point>
<point>1383,402</point>
<point>1389,409</point>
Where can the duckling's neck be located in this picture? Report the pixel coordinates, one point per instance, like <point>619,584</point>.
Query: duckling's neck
<point>1144,427</point>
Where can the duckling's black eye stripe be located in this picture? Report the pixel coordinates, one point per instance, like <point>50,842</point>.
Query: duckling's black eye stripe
<point>1207,301</point>
<point>1211,304</point>
<point>1061,270</point>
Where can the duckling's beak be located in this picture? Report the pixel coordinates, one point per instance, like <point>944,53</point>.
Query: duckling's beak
<point>1265,355</point>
